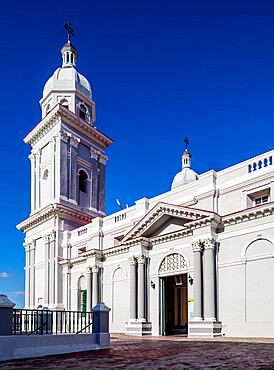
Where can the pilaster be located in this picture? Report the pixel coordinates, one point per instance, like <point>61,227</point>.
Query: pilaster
<point>197,248</point>
<point>89,290</point>
<point>133,288</point>
<point>141,287</point>
<point>95,285</point>
<point>46,239</point>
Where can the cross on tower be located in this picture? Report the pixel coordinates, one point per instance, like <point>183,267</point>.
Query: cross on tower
<point>187,142</point>
<point>70,30</point>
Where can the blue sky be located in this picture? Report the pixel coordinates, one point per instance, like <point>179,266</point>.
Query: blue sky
<point>160,71</point>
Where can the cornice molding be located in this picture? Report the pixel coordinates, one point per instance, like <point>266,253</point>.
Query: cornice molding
<point>58,112</point>
<point>49,212</point>
<point>171,236</point>
<point>249,214</point>
<point>138,241</point>
<point>116,250</point>
<point>197,218</point>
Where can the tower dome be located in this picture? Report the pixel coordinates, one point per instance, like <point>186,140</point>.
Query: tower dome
<point>68,87</point>
<point>186,175</point>
<point>66,77</point>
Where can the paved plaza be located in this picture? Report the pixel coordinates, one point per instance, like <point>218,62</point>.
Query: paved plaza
<point>162,353</point>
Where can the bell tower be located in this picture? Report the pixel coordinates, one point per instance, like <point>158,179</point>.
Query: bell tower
<point>67,177</point>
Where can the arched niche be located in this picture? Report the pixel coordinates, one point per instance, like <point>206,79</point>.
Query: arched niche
<point>259,277</point>
<point>259,247</point>
<point>120,296</point>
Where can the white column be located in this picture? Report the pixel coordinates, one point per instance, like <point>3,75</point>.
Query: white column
<point>51,172</point>
<point>32,164</point>
<point>46,270</point>
<point>27,274</point>
<point>66,285</point>
<point>32,274</point>
<point>95,285</point>
<point>58,269</point>
<point>197,280</point>
<point>52,276</point>
<point>89,292</point>
<point>37,179</point>
<point>209,295</point>
<point>141,288</point>
<point>133,288</point>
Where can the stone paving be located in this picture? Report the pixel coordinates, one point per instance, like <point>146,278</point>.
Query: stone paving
<point>163,353</point>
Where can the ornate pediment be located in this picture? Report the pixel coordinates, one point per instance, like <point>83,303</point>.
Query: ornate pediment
<point>167,218</point>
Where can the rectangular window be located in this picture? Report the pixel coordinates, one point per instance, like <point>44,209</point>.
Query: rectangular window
<point>258,198</point>
<point>265,199</point>
<point>84,300</point>
<point>258,201</point>
<point>261,200</point>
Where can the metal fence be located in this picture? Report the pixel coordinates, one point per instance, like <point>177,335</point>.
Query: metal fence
<point>51,322</point>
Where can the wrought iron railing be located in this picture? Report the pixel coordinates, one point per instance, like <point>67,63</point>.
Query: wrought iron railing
<point>26,321</point>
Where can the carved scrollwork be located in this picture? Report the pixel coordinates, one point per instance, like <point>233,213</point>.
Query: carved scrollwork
<point>132,261</point>
<point>141,259</point>
<point>95,269</point>
<point>88,269</point>
<point>173,262</point>
<point>197,246</point>
<point>209,243</point>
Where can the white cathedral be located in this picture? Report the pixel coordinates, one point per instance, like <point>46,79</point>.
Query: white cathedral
<point>196,260</point>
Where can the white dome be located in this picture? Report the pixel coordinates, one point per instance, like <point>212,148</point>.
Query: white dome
<point>184,177</point>
<point>187,175</point>
<point>67,78</point>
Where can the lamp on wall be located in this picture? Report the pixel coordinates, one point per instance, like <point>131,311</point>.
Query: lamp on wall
<point>190,280</point>
<point>152,284</point>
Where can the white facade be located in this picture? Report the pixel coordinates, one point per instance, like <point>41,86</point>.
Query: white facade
<point>197,259</point>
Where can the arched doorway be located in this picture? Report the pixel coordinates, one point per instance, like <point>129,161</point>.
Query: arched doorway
<point>82,294</point>
<point>174,295</point>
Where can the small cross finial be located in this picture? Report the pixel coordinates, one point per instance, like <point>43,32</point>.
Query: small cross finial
<point>187,142</point>
<point>70,30</point>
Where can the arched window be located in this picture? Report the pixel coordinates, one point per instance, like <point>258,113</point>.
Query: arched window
<point>47,109</point>
<point>83,177</point>
<point>46,174</point>
<point>64,103</point>
<point>83,111</point>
